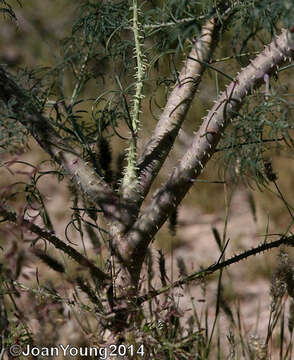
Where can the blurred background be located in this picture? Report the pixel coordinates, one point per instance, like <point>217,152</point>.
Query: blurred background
<point>219,203</point>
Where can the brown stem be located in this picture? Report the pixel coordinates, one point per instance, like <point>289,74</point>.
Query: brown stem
<point>289,241</point>
<point>67,249</point>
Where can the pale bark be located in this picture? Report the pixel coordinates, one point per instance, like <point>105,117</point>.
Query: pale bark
<point>203,147</point>
<point>174,113</point>
<point>131,246</point>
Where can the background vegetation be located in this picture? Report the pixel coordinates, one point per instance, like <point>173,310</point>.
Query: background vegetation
<point>76,63</point>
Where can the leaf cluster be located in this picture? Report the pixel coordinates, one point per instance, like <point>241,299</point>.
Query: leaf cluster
<point>256,17</point>
<point>260,124</point>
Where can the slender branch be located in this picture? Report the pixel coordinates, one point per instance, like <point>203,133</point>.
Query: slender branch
<point>203,146</point>
<point>289,241</point>
<point>27,113</point>
<point>130,179</point>
<point>245,143</point>
<point>234,57</point>
<point>177,22</point>
<point>173,23</point>
<point>186,141</point>
<point>67,249</point>
<point>81,76</point>
<point>211,67</point>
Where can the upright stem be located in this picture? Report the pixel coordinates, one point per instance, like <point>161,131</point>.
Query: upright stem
<point>130,180</point>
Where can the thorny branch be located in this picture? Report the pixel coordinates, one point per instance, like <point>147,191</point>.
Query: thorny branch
<point>203,147</point>
<point>67,249</point>
<point>131,246</point>
<point>289,241</point>
<point>179,102</point>
<point>173,115</point>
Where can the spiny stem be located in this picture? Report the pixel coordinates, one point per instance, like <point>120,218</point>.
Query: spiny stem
<point>204,144</point>
<point>289,241</point>
<point>140,69</point>
<point>130,180</point>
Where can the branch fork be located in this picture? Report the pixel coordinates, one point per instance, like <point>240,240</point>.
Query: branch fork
<point>132,232</point>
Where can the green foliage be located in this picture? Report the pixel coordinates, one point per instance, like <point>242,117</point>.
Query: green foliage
<point>102,23</point>
<point>113,61</point>
<point>260,125</point>
<point>254,17</point>
<point>173,22</point>
<point>37,86</point>
<point>13,136</point>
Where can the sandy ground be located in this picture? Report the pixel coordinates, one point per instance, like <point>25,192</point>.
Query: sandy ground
<point>246,285</point>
